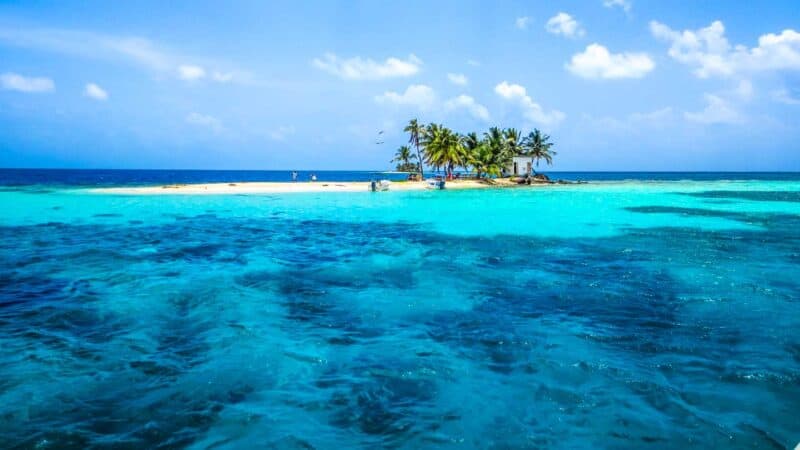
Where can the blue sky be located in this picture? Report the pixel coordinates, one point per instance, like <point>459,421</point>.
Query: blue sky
<point>618,84</point>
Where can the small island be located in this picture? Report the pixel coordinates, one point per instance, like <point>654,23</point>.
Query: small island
<point>498,153</point>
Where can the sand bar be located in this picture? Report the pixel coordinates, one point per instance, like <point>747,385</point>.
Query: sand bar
<point>292,187</point>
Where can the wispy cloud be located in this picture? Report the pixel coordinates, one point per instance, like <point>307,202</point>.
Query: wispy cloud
<point>458,79</point>
<point>17,82</point>
<point>565,25</point>
<point>522,22</point>
<point>223,77</point>
<point>785,97</point>
<point>633,123</point>
<point>357,68</point>
<point>190,73</point>
<point>95,92</point>
<point>717,111</point>
<point>597,62</point>
<point>744,90</point>
<point>532,111</point>
<point>625,5</point>
<point>135,50</point>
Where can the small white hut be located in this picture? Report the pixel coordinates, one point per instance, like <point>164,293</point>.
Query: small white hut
<point>520,166</point>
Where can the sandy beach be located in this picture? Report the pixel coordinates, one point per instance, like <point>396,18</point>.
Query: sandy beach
<point>294,187</point>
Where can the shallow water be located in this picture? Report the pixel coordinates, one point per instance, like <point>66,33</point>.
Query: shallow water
<point>609,315</point>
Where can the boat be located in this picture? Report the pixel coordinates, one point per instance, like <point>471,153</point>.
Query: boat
<point>433,183</point>
<point>379,185</point>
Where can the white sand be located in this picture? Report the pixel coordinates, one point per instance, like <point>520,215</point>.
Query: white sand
<point>288,187</point>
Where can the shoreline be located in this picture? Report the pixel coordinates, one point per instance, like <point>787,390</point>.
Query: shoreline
<point>272,187</point>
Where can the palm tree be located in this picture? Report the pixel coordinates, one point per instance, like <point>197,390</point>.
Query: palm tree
<point>430,148</point>
<point>538,146</point>
<point>415,132</point>
<point>459,155</point>
<point>483,161</point>
<point>471,142</point>
<point>443,148</point>
<point>513,140</point>
<point>497,142</point>
<point>403,158</point>
<point>488,156</point>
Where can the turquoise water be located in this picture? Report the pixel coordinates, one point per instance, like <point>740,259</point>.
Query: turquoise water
<point>608,315</point>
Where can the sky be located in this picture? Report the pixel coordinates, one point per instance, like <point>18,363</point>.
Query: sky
<point>617,84</point>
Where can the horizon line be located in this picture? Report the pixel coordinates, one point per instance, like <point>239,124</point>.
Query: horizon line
<point>385,170</point>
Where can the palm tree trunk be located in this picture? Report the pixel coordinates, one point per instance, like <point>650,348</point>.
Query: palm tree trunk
<point>419,159</point>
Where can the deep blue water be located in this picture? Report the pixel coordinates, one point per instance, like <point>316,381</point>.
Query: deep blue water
<point>625,315</point>
<point>100,177</point>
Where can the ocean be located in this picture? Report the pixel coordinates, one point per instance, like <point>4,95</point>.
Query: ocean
<point>640,310</point>
<point>101,178</point>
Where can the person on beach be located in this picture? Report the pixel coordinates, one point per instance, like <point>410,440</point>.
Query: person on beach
<point>313,177</point>
<point>294,175</point>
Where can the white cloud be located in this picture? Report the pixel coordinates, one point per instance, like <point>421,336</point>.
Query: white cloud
<point>425,99</point>
<point>469,104</point>
<point>473,63</point>
<point>785,97</point>
<point>509,91</point>
<point>205,121</point>
<point>418,95</point>
<point>531,110</point>
<point>717,110</point>
<point>564,24</point>
<point>624,4</point>
<point>710,53</point>
<point>96,92</point>
<point>597,62</point>
<point>523,22</point>
<point>458,79</point>
<point>357,68</point>
<point>281,133</point>
<point>16,82</point>
<point>133,50</point>
<point>191,73</point>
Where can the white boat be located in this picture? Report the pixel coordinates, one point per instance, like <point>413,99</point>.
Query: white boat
<point>432,183</point>
<point>381,185</point>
